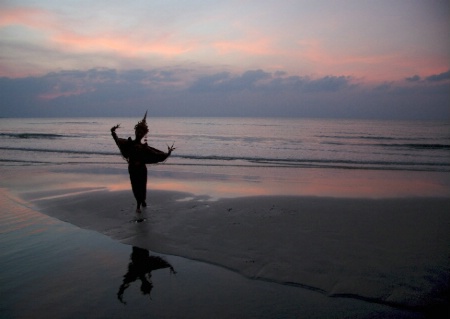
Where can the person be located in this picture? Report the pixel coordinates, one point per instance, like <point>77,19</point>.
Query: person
<point>138,155</point>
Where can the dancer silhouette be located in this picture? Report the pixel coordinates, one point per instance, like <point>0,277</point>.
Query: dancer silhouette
<point>138,155</point>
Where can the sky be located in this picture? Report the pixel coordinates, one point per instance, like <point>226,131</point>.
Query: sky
<point>380,59</point>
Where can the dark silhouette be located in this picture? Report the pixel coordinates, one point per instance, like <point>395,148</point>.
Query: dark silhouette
<point>140,267</point>
<point>137,155</point>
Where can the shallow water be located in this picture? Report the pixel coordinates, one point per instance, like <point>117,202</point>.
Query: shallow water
<point>53,269</point>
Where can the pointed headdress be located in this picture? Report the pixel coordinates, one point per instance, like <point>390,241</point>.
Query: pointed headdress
<point>142,125</point>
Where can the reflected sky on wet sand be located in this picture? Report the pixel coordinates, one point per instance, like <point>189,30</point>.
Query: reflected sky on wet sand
<point>227,182</point>
<point>299,182</point>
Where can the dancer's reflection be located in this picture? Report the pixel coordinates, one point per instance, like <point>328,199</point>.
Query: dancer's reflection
<point>140,267</point>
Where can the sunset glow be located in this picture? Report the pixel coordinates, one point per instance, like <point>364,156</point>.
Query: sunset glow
<point>369,43</point>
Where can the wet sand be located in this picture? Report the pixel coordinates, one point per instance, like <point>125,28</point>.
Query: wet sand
<point>379,252</point>
<point>392,251</point>
<point>68,272</point>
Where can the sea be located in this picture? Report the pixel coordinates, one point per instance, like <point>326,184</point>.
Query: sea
<point>235,142</point>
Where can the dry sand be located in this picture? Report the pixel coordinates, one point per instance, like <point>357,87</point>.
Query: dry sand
<point>390,251</point>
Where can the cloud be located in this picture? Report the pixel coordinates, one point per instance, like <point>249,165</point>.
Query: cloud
<point>413,78</point>
<point>30,17</point>
<point>315,39</point>
<point>259,80</point>
<point>324,84</point>
<point>37,39</point>
<point>439,77</point>
<point>125,45</point>
<point>179,91</point>
<point>226,82</point>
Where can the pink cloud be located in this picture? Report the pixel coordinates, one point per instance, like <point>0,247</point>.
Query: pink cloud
<point>62,37</point>
<point>30,17</point>
<point>122,45</point>
<point>373,67</point>
<point>234,42</point>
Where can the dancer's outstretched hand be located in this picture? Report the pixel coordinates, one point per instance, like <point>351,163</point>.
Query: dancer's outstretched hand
<point>171,148</point>
<point>113,129</point>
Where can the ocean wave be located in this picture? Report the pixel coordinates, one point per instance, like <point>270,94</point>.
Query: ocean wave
<point>249,161</point>
<point>59,151</point>
<point>34,135</point>
<point>233,124</point>
<point>362,137</point>
<point>419,146</point>
<point>64,122</point>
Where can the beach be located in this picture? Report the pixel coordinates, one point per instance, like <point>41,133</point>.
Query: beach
<point>248,218</point>
<point>360,255</point>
